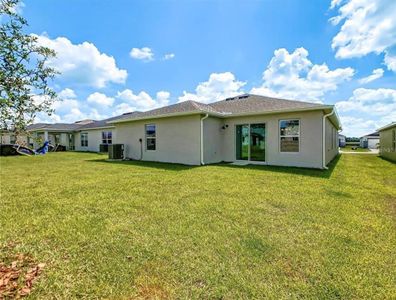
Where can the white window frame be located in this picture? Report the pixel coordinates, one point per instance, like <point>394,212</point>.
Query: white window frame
<point>150,137</point>
<point>107,139</point>
<point>81,139</point>
<point>280,136</point>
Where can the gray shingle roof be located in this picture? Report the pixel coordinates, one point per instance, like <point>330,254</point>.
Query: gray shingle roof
<point>237,105</point>
<point>77,126</point>
<point>55,126</point>
<point>182,107</point>
<point>253,103</point>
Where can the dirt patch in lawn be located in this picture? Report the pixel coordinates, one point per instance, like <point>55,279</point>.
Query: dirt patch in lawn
<point>18,272</point>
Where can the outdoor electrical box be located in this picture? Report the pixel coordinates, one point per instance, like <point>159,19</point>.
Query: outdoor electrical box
<point>116,151</point>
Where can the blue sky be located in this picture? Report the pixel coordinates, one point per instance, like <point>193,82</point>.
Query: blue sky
<point>118,56</point>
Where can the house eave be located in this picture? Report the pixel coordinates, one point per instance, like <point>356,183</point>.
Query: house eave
<point>225,115</point>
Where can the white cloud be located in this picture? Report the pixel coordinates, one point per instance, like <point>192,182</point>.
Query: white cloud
<point>144,53</point>
<point>377,73</point>
<point>375,102</point>
<point>83,63</point>
<point>369,27</point>
<point>169,56</point>
<point>100,99</point>
<point>218,87</point>
<point>390,60</point>
<point>142,101</point>
<point>357,127</point>
<point>67,94</point>
<point>294,76</point>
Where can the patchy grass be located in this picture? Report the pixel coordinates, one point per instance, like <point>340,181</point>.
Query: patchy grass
<point>151,230</point>
<point>349,148</point>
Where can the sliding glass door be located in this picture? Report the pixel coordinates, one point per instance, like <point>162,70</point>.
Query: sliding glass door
<point>250,142</point>
<point>242,142</point>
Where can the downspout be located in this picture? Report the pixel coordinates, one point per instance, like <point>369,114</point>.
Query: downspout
<point>324,139</point>
<point>202,145</point>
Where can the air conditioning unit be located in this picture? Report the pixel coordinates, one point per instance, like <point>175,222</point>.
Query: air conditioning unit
<point>116,151</point>
<point>103,148</point>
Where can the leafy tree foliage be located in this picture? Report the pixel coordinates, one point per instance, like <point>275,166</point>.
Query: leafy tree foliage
<point>24,74</point>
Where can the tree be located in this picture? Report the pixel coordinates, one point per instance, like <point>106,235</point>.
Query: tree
<point>24,74</point>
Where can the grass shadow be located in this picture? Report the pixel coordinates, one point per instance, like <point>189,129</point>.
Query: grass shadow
<point>386,159</point>
<point>180,167</point>
<point>146,164</point>
<point>293,170</point>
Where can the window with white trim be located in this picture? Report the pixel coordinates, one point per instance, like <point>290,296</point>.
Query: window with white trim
<point>84,139</point>
<point>394,140</point>
<point>151,136</point>
<point>289,135</point>
<point>107,137</point>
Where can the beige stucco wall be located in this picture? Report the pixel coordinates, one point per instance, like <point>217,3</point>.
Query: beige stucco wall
<point>178,139</point>
<point>94,139</point>
<point>310,154</point>
<point>331,144</point>
<point>213,140</point>
<point>386,150</point>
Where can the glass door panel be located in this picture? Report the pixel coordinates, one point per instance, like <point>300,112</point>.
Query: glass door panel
<point>257,142</point>
<point>242,142</point>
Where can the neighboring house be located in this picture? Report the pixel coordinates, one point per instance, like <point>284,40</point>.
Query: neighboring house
<point>341,140</point>
<point>246,128</point>
<point>85,135</point>
<point>8,137</point>
<point>370,141</point>
<point>388,141</point>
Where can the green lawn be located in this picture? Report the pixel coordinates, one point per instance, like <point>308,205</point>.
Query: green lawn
<point>349,148</point>
<point>145,230</point>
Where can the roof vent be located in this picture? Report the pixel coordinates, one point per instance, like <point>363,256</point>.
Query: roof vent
<point>229,99</point>
<point>243,96</point>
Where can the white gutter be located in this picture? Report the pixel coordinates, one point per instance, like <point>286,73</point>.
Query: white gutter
<point>324,139</point>
<point>202,135</point>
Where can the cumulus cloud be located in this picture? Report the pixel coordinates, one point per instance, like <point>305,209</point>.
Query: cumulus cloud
<point>83,63</point>
<point>218,87</point>
<point>169,56</point>
<point>390,60</point>
<point>294,76</point>
<point>369,26</point>
<point>145,54</point>
<point>377,73</point>
<point>67,94</point>
<point>142,101</point>
<point>376,102</point>
<point>100,99</point>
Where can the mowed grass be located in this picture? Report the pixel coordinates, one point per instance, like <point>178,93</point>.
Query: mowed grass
<point>359,149</point>
<point>140,230</point>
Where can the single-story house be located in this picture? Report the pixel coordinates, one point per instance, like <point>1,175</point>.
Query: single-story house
<point>246,129</point>
<point>388,141</point>
<point>85,135</point>
<point>341,140</point>
<point>8,137</point>
<point>370,141</point>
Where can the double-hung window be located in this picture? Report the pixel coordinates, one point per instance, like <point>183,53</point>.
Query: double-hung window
<point>84,139</point>
<point>151,137</point>
<point>107,137</point>
<point>289,135</point>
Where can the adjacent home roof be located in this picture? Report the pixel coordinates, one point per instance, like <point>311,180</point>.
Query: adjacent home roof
<point>235,106</point>
<point>246,104</point>
<point>77,126</point>
<point>55,126</point>
<point>391,125</point>
<point>374,134</point>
